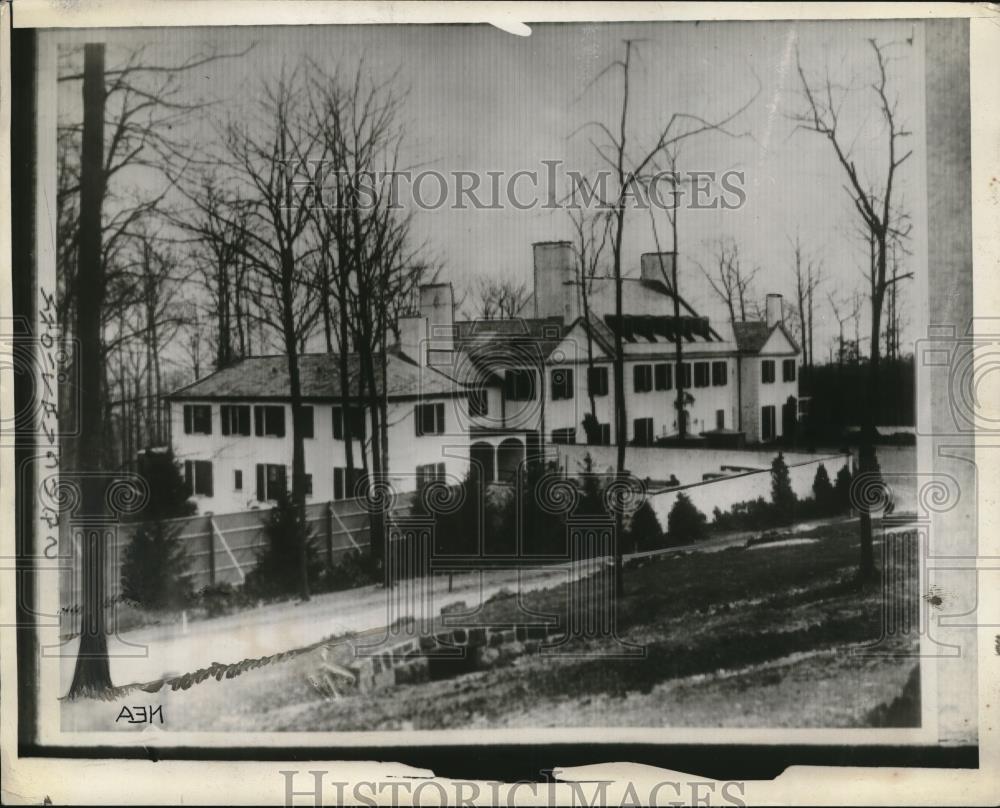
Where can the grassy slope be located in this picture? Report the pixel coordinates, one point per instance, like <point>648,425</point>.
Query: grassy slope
<point>759,637</point>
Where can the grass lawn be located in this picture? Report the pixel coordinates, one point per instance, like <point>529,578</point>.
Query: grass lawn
<point>761,637</point>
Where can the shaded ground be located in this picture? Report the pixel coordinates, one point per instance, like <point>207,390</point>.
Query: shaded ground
<point>756,638</point>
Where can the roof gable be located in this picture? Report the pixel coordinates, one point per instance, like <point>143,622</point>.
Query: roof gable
<point>779,341</point>
<point>755,337</point>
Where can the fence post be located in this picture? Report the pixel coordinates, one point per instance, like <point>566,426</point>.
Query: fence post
<point>329,536</point>
<point>211,550</point>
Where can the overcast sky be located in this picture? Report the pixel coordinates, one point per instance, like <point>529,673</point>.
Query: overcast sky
<point>484,100</point>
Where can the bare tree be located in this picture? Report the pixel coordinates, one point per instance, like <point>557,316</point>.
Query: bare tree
<point>369,268</point>
<point>876,209</point>
<point>628,169</point>
<point>807,276</point>
<point>590,239</point>
<point>500,299</point>
<point>730,281</point>
<point>265,157</point>
<point>92,674</point>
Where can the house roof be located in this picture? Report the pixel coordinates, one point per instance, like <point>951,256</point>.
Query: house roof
<point>752,335</point>
<point>488,343</point>
<point>266,377</point>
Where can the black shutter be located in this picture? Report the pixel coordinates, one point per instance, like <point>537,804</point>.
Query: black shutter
<point>261,483</point>
<point>417,415</point>
<point>225,413</point>
<point>210,487</point>
<point>188,477</point>
<point>282,480</point>
<point>258,421</point>
<point>439,419</point>
<point>187,419</point>
<point>279,412</point>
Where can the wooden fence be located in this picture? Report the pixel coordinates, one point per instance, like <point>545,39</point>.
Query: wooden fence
<point>220,548</point>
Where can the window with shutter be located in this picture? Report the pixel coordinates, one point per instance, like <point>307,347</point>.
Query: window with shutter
<point>642,378</point>
<point>269,421</point>
<point>663,376</point>
<point>235,419</point>
<point>767,371</point>
<point>271,481</point>
<point>701,374</point>
<point>197,419</point>
<point>685,374</point>
<point>597,381</point>
<point>562,384</point>
<point>428,419</point>
<point>643,429</point>
<point>519,385</point>
<point>307,422</point>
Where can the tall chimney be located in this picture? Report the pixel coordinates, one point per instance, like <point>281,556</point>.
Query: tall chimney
<point>555,275</point>
<point>437,306</point>
<point>775,310</point>
<point>657,266</point>
<point>413,337</point>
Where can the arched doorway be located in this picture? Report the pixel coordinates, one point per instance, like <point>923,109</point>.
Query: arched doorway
<point>483,459</point>
<point>510,455</point>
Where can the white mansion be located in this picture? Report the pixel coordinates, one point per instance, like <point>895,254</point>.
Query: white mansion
<point>492,390</point>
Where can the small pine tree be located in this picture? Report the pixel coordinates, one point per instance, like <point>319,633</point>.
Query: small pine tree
<point>154,569</point>
<point>782,496</point>
<point>169,497</point>
<point>842,489</point>
<point>685,523</point>
<point>823,490</point>
<point>155,564</point>
<point>277,570</point>
<point>644,531</point>
<point>591,490</point>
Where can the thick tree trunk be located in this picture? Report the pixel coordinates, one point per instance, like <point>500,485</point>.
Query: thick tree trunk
<point>868,459</point>
<point>298,450</point>
<point>92,675</point>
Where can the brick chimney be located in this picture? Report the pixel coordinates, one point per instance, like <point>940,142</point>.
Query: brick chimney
<point>657,266</point>
<point>555,280</point>
<point>437,307</point>
<point>775,310</point>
